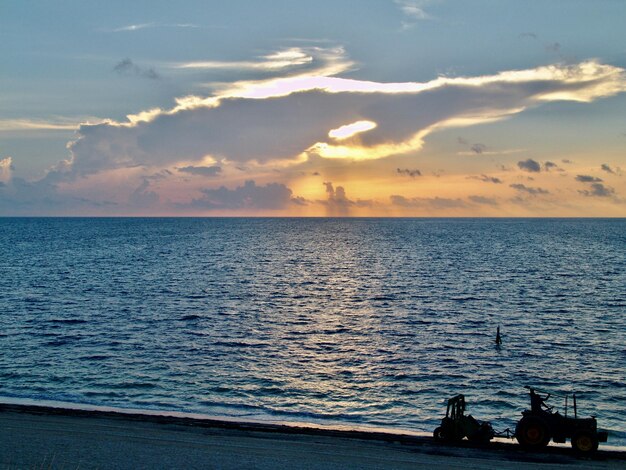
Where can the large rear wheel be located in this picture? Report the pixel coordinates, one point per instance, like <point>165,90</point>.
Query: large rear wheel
<point>532,432</point>
<point>585,442</point>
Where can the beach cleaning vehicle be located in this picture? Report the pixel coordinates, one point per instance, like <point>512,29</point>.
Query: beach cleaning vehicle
<point>535,429</point>
<point>540,424</point>
<point>457,425</point>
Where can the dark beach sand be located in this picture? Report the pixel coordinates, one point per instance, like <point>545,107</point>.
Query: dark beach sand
<point>45,437</point>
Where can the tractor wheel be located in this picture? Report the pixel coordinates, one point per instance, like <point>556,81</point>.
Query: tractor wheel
<point>438,433</point>
<point>532,432</point>
<point>585,442</point>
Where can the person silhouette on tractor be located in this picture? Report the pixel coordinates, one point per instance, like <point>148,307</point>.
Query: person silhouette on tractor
<point>537,403</point>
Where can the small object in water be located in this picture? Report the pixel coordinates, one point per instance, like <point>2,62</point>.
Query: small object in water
<point>498,338</point>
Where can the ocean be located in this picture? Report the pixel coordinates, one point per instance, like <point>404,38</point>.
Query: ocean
<point>368,322</point>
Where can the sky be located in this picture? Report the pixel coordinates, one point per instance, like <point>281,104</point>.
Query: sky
<point>369,108</point>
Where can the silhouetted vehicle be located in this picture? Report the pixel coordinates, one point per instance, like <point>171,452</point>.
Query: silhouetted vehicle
<point>535,430</point>
<point>538,426</point>
<point>456,425</point>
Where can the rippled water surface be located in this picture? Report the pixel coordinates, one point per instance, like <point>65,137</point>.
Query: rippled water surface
<point>364,321</point>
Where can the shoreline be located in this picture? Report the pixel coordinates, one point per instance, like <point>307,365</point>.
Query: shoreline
<point>32,433</point>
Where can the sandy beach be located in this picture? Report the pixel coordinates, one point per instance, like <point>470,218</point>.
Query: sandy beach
<point>43,437</point>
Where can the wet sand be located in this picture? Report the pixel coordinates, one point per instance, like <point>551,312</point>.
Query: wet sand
<point>45,437</point>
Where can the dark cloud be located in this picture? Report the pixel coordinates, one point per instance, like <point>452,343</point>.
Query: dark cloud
<point>338,203</point>
<point>550,166</point>
<point>408,172</point>
<point>42,197</point>
<point>566,161</point>
<point>598,190</point>
<point>248,196</point>
<point>129,68</point>
<point>588,179</point>
<point>529,165</point>
<point>526,189</point>
<point>427,203</point>
<point>316,173</point>
<point>201,170</point>
<point>487,201</point>
<point>607,168</point>
<point>486,179</point>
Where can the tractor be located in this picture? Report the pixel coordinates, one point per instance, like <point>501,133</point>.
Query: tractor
<point>540,424</point>
<point>456,425</point>
<point>534,431</point>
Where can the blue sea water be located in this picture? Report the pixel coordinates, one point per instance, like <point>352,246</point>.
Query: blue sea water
<point>339,321</point>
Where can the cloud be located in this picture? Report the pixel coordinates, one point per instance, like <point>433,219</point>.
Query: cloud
<point>529,190</point>
<point>142,198</point>
<point>21,197</point>
<point>287,124</point>
<point>413,9</point>
<point>598,190</point>
<point>588,179</point>
<point>476,148</point>
<point>201,170</point>
<point>337,201</point>
<point>408,172</point>
<point>161,175</point>
<point>487,201</point>
<point>608,169</point>
<point>299,201</point>
<point>529,165</point>
<point>140,26</point>
<point>427,203</point>
<point>486,179</point>
<point>249,196</point>
<point>350,130</point>
<point>550,166</point>
<point>6,168</point>
<point>553,47</point>
<point>567,161</point>
<point>274,61</point>
<point>128,68</point>
<point>55,124</point>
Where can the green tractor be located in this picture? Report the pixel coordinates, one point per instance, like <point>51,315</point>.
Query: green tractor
<point>540,424</point>
<point>456,425</point>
